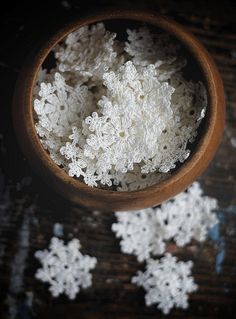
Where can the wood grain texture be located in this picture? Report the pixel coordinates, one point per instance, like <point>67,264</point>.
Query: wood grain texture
<point>28,211</point>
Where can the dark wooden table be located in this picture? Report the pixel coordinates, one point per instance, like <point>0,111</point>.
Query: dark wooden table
<point>29,209</point>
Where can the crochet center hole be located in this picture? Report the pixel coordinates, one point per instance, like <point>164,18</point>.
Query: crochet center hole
<point>122,134</point>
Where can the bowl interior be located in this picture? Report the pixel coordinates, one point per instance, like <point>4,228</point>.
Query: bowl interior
<point>192,71</point>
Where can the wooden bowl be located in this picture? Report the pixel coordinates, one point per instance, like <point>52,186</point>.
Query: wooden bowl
<point>107,200</point>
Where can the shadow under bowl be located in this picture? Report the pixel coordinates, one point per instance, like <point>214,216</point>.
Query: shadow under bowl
<point>107,200</point>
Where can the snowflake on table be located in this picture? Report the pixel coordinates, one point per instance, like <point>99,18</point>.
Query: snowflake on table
<point>65,268</point>
<point>140,233</point>
<point>167,282</point>
<point>187,216</point>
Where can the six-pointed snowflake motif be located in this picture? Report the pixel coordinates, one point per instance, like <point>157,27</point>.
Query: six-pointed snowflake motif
<point>188,216</point>
<point>60,106</point>
<point>167,282</point>
<point>159,50</point>
<point>65,268</point>
<point>89,52</point>
<point>140,233</point>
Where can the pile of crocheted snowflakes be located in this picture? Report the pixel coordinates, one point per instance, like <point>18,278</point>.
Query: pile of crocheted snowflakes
<point>167,282</point>
<point>114,113</point>
<point>187,216</point>
<point>65,268</point>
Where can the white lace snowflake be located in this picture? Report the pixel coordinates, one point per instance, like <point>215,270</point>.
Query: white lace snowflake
<point>117,114</point>
<point>61,106</point>
<point>43,76</point>
<point>140,233</point>
<point>167,283</point>
<point>89,52</point>
<point>65,268</point>
<point>187,216</point>
<point>158,49</point>
<point>58,108</point>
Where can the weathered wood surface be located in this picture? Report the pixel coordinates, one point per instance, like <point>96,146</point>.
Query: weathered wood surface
<point>29,209</point>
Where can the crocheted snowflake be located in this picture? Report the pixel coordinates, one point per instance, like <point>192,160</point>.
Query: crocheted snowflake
<point>158,49</point>
<point>58,108</point>
<point>187,216</point>
<point>140,233</point>
<point>117,114</point>
<point>88,52</point>
<point>65,268</point>
<point>167,282</point>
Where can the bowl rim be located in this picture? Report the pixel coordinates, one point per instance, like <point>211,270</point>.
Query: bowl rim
<point>181,178</point>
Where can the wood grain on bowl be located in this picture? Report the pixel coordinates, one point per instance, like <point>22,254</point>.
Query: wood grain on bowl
<point>107,200</point>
